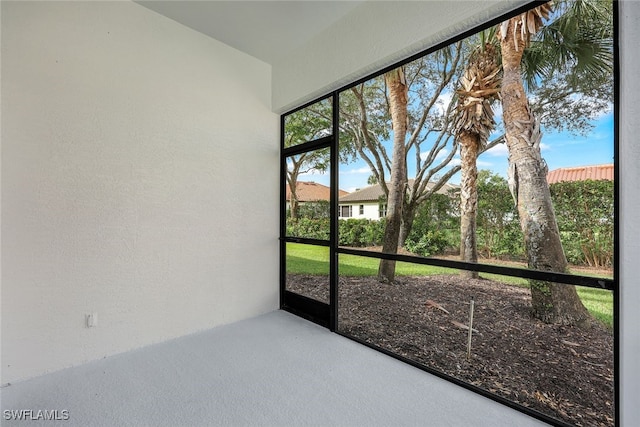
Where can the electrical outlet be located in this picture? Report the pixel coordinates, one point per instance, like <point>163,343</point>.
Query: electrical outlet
<point>91,320</point>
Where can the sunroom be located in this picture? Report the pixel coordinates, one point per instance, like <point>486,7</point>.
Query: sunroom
<point>144,247</point>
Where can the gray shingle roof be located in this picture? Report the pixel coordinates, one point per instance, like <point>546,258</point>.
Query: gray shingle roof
<point>374,192</point>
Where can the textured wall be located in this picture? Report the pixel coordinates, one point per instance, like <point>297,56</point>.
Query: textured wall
<point>374,35</point>
<point>629,157</point>
<point>139,181</point>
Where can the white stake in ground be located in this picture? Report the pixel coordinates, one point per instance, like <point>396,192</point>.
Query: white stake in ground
<point>470,329</point>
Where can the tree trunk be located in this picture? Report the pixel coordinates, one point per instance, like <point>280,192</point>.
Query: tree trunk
<point>469,146</point>
<point>294,207</point>
<point>398,100</point>
<point>408,215</point>
<point>552,303</point>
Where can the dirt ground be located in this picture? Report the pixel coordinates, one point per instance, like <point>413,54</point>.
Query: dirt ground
<point>564,372</point>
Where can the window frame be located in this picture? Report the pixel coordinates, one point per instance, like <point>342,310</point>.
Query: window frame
<point>349,209</point>
<point>525,273</point>
<point>382,210</point>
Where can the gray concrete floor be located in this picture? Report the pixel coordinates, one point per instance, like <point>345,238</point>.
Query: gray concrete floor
<point>272,370</point>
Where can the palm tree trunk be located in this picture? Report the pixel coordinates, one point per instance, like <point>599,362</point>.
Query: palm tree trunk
<point>398,101</point>
<point>469,146</point>
<point>478,87</point>
<point>553,303</point>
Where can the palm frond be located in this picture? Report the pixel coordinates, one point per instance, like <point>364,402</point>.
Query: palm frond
<point>577,41</point>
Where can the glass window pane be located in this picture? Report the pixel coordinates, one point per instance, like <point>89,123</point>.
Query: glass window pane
<point>308,195</point>
<point>449,104</point>
<point>446,105</point>
<point>563,372</point>
<point>308,124</point>
<point>308,271</point>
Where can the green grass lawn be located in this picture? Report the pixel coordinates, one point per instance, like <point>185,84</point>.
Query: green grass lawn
<point>309,259</point>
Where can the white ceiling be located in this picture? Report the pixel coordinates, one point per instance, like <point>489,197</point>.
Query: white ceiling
<point>267,30</point>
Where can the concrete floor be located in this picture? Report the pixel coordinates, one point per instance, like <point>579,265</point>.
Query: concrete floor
<point>272,370</point>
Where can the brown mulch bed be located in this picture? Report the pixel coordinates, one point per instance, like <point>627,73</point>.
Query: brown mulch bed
<point>564,372</point>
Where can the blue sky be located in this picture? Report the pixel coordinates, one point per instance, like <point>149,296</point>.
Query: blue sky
<point>560,150</point>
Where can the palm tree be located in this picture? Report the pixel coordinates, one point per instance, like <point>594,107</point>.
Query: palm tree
<point>479,86</point>
<point>551,302</point>
<point>398,100</point>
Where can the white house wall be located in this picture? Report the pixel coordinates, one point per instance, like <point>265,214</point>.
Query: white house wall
<point>378,33</point>
<point>369,211</point>
<point>134,154</point>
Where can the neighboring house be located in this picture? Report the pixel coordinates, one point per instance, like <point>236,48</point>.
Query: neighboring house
<point>581,173</point>
<point>370,203</point>
<point>309,191</point>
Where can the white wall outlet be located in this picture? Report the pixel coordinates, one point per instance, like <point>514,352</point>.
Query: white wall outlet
<point>91,320</point>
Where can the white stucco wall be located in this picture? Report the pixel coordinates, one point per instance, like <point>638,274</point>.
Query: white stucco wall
<point>629,157</point>
<point>139,182</point>
<point>377,34</point>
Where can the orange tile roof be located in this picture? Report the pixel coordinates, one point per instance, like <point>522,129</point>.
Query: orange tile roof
<point>308,191</point>
<point>581,173</point>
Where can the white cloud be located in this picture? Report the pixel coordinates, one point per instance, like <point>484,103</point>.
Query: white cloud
<point>499,150</point>
<point>442,154</point>
<point>443,101</point>
<point>483,164</point>
<point>604,113</point>
<point>497,110</point>
<point>359,171</point>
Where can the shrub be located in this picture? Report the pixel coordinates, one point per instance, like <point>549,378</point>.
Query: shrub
<point>584,212</point>
<point>498,227</point>
<point>319,209</point>
<point>351,232</point>
<point>431,243</point>
<point>309,228</point>
<point>436,227</point>
<point>360,232</point>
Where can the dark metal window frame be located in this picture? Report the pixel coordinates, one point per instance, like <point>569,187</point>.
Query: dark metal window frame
<point>310,309</point>
<point>327,315</point>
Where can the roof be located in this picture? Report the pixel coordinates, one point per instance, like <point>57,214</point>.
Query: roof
<point>374,192</point>
<point>581,173</point>
<point>309,191</point>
